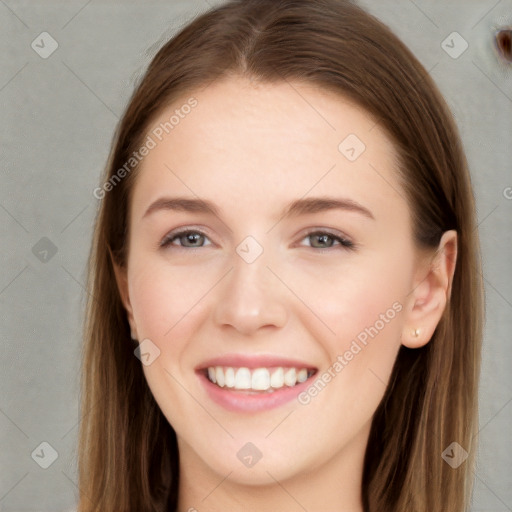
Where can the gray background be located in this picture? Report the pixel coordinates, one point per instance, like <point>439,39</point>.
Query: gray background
<point>58,116</point>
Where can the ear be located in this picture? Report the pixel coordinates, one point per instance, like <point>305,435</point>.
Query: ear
<point>122,285</point>
<point>431,292</point>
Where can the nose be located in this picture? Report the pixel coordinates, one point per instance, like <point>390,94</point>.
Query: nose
<point>251,298</point>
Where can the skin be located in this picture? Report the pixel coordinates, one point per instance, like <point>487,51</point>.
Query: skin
<point>251,149</point>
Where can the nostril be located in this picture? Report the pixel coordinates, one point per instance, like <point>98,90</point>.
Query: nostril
<point>504,43</point>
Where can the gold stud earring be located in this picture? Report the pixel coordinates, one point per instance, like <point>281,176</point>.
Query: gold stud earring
<point>416,333</point>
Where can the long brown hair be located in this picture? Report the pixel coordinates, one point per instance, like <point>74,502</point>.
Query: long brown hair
<point>128,456</point>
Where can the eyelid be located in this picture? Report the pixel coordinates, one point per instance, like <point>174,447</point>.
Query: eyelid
<point>328,231</point>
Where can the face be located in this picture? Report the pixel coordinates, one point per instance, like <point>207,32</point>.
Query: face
<point>288,287</point>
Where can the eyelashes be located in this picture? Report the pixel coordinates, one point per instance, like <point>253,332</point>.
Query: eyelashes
<point>194,236</point>
<point>184,235</point>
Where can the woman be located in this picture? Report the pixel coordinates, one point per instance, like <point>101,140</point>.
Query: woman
<point>285,304</point>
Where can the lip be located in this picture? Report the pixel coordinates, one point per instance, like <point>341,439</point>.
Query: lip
<point>246,401</point>
<point>254,361</point>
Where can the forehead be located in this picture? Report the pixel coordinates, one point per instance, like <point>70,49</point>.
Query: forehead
<point>245,141</point>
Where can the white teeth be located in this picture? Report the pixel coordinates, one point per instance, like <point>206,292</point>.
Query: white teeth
<point>302,375</point>
<point>229,376</point>
<point>277,379</point>
<point>258,379</point>
<point>219,376</point>
<point>243,379</point>
<point>290,377</point>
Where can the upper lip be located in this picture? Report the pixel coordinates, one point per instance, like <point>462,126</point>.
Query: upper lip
<point>253,361</point>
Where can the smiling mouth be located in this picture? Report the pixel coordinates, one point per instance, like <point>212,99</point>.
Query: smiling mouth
<point>257,380</point>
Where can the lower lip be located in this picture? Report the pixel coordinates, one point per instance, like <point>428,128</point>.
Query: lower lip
<point>242,401</point>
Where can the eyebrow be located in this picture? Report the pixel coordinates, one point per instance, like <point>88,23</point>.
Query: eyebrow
<point>295,208</point>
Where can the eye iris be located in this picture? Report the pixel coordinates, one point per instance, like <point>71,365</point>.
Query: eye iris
<point>190,237</point>
<point>324,239</point>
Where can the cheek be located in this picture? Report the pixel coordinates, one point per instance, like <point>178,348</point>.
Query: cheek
<point>167,309</point>
<point>348,299</point>
<point>163,297</point>
<point>362,306</point>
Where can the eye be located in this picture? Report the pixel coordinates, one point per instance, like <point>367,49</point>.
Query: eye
<point>326,240</point>
<point>196,239</point>
<point>187,238</point>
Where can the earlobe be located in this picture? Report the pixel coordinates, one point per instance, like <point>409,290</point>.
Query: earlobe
<point>431,294</point>
<point>122,286</point>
